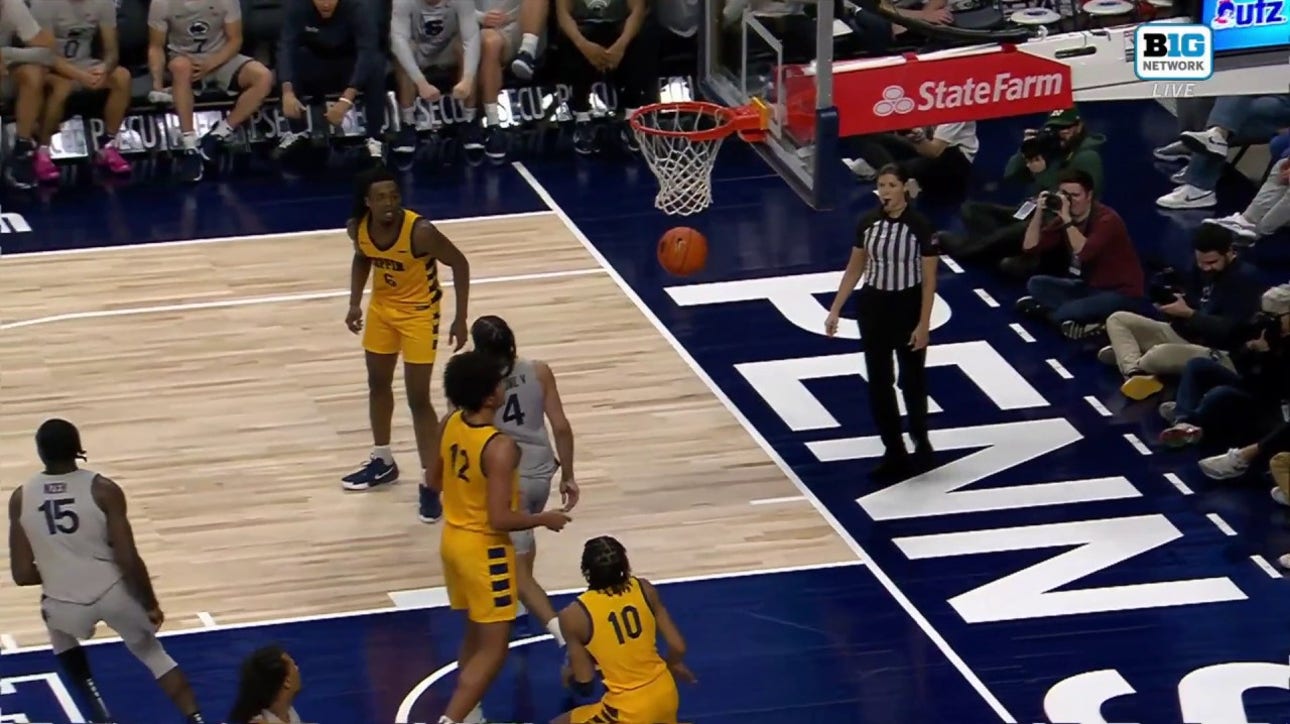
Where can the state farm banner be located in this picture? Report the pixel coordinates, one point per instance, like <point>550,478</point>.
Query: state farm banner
<point>913,92</point>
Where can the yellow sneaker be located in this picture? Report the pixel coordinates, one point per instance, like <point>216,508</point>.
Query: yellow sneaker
<point>1140,387</point>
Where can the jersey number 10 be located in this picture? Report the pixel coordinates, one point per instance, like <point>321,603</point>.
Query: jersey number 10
<point>627,624</point>
<point>59,516</point>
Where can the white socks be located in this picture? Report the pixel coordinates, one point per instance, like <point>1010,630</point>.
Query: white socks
<point>383,452</point>
<point>490,114</point>
<point>406,115</point>
<point>468,115</point>
<point>189,141</point>
<point>529,43</point>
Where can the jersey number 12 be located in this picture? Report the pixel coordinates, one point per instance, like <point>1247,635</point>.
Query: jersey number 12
<point>627,624</point>
<point>460,463</point>
<point>59,516</point>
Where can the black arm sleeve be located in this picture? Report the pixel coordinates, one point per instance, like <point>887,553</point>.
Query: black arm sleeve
<point>369,61</point>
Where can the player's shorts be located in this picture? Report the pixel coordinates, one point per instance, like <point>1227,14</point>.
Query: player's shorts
<point>655,703</point>
<point>535,490</point>
<point>225,77</point>
<point>446,59</point>
<point>412,331</point>
<point>479,573</point>
<point>117,608</point>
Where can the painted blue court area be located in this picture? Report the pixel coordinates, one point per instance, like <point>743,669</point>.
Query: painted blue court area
<point>1055,566</point>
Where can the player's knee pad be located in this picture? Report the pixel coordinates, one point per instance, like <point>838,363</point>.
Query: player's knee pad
<point>524,541</point>
<point>150,651</point>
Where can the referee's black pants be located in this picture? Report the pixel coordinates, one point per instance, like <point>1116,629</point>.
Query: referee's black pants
<point>887,321</point>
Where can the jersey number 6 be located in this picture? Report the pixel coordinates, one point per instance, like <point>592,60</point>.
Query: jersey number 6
<point>461,463</point>
<point>59,516</point>
<point>389,280</point>
<point>627,624</point>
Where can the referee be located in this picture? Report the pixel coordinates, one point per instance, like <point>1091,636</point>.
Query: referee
<point>896,254</point>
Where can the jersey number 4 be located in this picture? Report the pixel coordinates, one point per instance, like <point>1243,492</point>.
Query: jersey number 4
<point>461,463</point>
<point>512,412</point>
<point>626,623</point>
<point>60,517</point>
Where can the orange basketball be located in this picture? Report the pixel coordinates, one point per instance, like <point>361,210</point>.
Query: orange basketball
<point>682,251</point>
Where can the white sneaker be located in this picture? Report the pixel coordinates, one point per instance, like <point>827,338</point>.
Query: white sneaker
<point>1188,197</point>
<point>1284,561</point>
<point>375,148</point>
<point>1237,224</point>
<point>1168,411</point>
<point>1224,467</point>
<point>1209,141</point>
<point>1176,151</point>
<point>1180,176</point>
<point>1107,356</point>
<point>1279,495</point>
<point>861,168</point>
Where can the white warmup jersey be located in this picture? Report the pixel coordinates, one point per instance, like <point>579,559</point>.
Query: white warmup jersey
<point>523,417</point>
<point>68,534</point>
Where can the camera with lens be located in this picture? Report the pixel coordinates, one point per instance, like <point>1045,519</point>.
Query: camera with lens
<point>1165,286</point>
<point>1044,143</point>
<point>1267,326</point>
<point>1051,205</point>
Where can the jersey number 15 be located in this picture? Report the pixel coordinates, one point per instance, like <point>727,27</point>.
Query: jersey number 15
<point>60,517</point>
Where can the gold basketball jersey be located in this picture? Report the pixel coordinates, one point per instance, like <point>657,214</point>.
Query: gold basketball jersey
<point>623,634</point>
<point>399,277</point>
<point>465,488</point>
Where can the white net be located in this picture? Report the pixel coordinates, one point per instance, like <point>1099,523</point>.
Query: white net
<point>682,164</point>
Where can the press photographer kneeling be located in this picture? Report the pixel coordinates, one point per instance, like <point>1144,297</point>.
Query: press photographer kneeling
<point>995,231</point>
<point>1103,275</point>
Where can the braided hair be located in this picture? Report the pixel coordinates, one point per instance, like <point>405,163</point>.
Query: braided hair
<point>605,565</point>
<point>263,674</point>
<point>363,184</point>
<point>493,336</point>
<point>58,442</point>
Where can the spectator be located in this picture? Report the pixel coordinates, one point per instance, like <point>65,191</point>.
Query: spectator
<point>1232,118</point>
<point>74,25</point>
<point>431,36</point>
<point>326,47</point>
<point>500,40</point>
<point>26,68</point>
<point>270,682</point>
<point>1235,404</point>
<point>940,156</point>
<point>994,231</point>
<point>878,35</point>
<point>608,38</point>
<point>532,26</point>
<point>201,44</point>
<point>1270,208</point>
<point>1192,115</point>
<point>1236,462</point>
<point>1104,277</point>
<point>1202,313</point>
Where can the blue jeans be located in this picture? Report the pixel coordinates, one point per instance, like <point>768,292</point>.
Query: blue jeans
<point>1210,397</point>
<point>1247,118</point>
<point>1071,300</point>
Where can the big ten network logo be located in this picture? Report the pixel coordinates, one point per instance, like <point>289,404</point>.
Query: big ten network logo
<point>1169,52</point>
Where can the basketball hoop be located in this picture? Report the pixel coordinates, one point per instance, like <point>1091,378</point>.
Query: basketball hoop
<point>680,141</point>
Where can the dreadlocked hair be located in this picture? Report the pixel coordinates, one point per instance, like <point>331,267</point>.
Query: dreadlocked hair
<point>605,565</point>
<point>493,336</point>
<point>263,674</point>
<point>362,184</point>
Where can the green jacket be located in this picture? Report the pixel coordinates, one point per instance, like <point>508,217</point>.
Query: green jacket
<point>1085,157</point>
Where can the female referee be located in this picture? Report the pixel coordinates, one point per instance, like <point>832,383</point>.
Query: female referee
<point>896,254</point>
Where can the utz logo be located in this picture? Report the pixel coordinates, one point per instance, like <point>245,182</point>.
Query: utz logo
<point>1230,14</point>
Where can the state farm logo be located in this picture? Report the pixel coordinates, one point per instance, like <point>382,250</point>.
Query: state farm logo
<point>939,95</point>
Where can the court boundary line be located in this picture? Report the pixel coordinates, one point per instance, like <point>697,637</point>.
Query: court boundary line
<point>268,299</point>
<point>289,620</point>
<point>255,237</point>
<point>886,581</point>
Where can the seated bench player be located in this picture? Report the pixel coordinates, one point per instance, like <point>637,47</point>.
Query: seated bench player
<point>23,86</point>
<point>431,36</point>
<point>74,24</point>
<point>199,42</point>
<point>505,32</point>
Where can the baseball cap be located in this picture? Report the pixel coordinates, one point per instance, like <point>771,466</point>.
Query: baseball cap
<point>1277,300</point>
<point>1063,118</point>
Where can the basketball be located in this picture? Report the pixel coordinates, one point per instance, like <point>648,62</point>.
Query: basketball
<point>682,251</point>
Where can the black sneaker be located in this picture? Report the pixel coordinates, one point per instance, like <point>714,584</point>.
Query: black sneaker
<point>924,458</point>
<point>20,171</point>
<point>188,166</point>
<point>584,138</point>
<point>210,146</point>
<point>1029,307</point>
<point>891,468</point>
<point>495,144</point>
<point>405,141</point>
<point>472,136</point>
<point>523,65</point>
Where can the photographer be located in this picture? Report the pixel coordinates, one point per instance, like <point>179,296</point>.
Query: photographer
<point>1104,276</point>
<point>994,231</point>
<point>1236,405</point>
<point>1198,312</point>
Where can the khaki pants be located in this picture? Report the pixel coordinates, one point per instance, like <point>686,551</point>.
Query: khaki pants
<point>1145,346</point>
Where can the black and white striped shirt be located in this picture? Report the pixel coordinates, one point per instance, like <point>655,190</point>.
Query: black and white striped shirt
<point>896,248</point>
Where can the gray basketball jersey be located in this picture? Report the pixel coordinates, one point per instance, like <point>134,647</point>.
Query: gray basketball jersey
<point>74,23</point>
<point>68,534</point>
<point>434,26</point>
<point>194,27</point>
<point>523,417</point>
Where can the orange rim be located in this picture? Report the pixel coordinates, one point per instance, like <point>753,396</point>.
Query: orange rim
<point>747,120</point>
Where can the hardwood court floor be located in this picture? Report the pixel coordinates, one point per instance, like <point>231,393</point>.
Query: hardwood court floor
<point>230,425</point>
